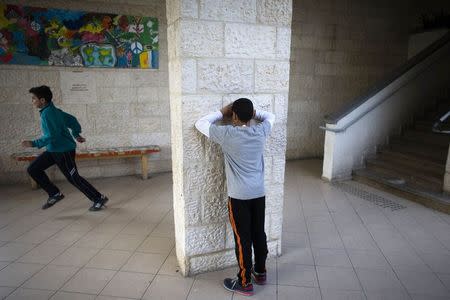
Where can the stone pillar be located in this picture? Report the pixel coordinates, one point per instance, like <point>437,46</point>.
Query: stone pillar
<point>220,51</point>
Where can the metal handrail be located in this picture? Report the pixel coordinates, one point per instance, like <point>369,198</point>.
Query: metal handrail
<point>344,128</point>
<point>438,123</point>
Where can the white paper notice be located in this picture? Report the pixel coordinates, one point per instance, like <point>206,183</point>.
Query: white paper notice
<point>78,87</point>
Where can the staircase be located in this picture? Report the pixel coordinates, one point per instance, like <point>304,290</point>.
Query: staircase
<point>413,164</point>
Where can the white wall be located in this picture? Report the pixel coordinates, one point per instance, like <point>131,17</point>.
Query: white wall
<point>446,186</point>
<point>124,107</point>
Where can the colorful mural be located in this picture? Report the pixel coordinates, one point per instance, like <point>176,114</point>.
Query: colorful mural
<point>56,37</point>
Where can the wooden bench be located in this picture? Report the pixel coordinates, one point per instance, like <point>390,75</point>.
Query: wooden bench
<point>101,153</point>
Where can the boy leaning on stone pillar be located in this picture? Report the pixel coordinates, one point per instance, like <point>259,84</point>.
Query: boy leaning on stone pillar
<point>243,149</point>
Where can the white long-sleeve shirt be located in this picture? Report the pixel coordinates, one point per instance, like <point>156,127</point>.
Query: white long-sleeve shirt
<point>243,149</point>
<point>204,123</point>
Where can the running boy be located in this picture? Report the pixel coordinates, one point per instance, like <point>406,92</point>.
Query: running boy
<point>243,149</point>
<point>60,145</point>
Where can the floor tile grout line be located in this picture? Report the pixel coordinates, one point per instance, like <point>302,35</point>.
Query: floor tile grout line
<point>164,259</point>
<point>84,266</point>
<point>420,223</point>
<point>12,202</point>
<point>389,218</point>
<point>51,217</point>
<point>66,208</point>
<point>80,268</point>
<point>307,232</point>
<point>314,287</point>
<point>37,245</point>
<point>376,243</point>
<point>120,269</point>
<point>441,216</point>
<point>60,211</point>
<point>432,233</point>
<point>65,282</point>
<point>408,239</point>
<point>67,292</point>
<point>342,241</point>
<point>174,275</point>
<point>15,240</point>
<point>24,215</point>
<point>8,263</point>
<point>34,211</point>
<point>298,204</point>
<point>51,295</point>
<point>416,252</point>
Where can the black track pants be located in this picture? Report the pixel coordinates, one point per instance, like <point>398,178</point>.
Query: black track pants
<point>247,221</point>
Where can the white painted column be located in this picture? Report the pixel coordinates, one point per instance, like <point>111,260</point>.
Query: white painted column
<point>220,51</point>
<point>446,186</point>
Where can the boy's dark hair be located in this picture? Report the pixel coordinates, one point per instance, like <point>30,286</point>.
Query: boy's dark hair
<point>243,108</point>
<point>42,91</point>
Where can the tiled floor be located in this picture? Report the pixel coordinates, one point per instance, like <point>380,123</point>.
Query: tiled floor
<point>335,245</point>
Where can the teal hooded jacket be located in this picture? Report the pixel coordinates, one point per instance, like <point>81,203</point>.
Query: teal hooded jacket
<point>55,125</point>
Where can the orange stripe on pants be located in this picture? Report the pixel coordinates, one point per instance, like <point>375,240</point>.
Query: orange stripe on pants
<point>238,239</point>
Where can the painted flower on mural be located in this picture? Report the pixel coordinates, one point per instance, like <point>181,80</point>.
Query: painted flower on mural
<point>35,26</point>
<point>14,13</point>
<point>123,23</point>
<point>139,28</point>
<point>107,22</point>
<point>89,37</point>
<point>41,36</point>
<point>6,49</point>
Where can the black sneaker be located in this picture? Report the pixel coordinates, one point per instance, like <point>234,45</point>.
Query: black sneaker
<point>99,204</point>
<point>259,278</point>
<point>53,200</point>
<point>233,285</point>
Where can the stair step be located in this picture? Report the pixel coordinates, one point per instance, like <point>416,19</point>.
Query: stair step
<point>431,138</point>
<point>424,125</point>
<point>438,201</point>
<point>391,171</point>
<point>427,126</point>
<point>443,106</point>
<point>438,109</point>
<point>433,118</point>
<point>435,153</point>
<point>412,161</point>
<point>433,115</point>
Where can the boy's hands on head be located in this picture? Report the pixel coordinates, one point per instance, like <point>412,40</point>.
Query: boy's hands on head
<point>27,144</point>
<point>226,110</point>
<point>80,139</point>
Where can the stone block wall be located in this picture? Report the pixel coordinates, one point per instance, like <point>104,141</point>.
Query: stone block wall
<point>220,51</point>
<point>124,107</point>
<point>339,49</point>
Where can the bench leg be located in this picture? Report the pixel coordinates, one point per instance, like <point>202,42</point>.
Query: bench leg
<point>144,166</point>
<point>34,185</point>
